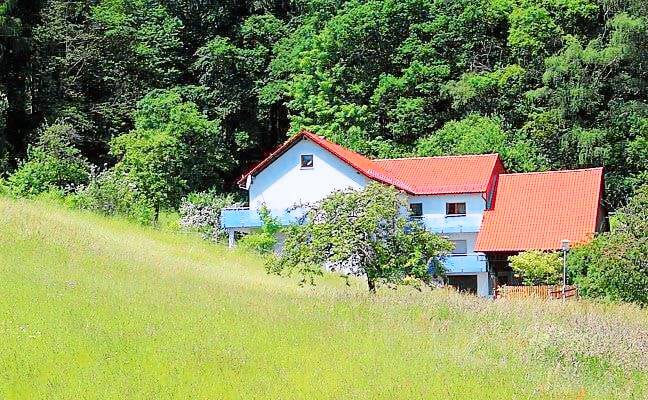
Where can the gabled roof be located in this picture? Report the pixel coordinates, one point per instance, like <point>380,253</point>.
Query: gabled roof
<point>418,176</point>
<point>535,211</point>
<point>445,175</point>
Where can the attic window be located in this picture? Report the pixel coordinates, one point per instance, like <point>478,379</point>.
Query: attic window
<point>307,161</point>
<point>455,209</point>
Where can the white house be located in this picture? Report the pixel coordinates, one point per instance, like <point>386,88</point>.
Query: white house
<point>449,194</point>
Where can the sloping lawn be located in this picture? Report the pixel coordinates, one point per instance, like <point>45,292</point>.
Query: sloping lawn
<point>92,307</point>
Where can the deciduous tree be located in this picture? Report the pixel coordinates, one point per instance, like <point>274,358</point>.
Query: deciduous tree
<point>365,233</point>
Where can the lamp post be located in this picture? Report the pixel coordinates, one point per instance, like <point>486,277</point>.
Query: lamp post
<point>565,248</point>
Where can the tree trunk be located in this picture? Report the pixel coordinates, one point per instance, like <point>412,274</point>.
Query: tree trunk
<point>371,284</point>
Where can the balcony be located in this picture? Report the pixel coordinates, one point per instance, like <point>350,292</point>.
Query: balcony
<point>440,223</point>
<point>471,263</point>
<point>243,217</point>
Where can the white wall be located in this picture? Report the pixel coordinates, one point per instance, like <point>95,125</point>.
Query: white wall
<point>435,206</point>
<point>283,183</point>
<point>457,228</point>
<point>469,237</point>
<point>482,284</point>
<point>434,212</point>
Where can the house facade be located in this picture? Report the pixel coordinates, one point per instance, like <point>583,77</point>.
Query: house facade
<point>452,195</point>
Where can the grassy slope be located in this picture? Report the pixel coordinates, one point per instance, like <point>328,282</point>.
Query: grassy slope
<point>96,308</point>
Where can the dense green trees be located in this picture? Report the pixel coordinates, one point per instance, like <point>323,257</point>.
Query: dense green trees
<point>614,265</point>
<point>536,267</point>
<point>546,83</point>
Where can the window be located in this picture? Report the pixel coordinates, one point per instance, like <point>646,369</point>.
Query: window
<point>416,210</point>
<point>455,208</point>
<point>307,161</point>
<point>460,247</point>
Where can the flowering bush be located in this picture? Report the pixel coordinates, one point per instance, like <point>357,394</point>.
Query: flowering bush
<point>112,194</point>
<point>201,212</point>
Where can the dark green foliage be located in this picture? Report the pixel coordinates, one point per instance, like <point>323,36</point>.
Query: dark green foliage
<point>95,60</point>
<point>614,265</point>
<point>362,233</point>
<point>172,150</point>
<point>548,84</point>
<point>559,78</point>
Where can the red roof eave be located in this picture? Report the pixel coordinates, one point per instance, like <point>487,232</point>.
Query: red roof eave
<point>398,172</point>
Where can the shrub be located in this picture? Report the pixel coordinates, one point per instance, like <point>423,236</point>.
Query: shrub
<point>537,267</point>
<point>265,240</point>
<point>201,212</point>
<point>614,266</point>
<point>53,163</point>
<point>4,187</point>
<point>112,194</point>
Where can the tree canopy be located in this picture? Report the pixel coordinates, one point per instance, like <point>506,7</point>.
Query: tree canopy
<point>548,84</point>
<point>363,233</point>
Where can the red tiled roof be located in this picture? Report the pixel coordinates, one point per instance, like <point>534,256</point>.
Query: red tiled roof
<point>538,210</point>
<point>420,176</point>
<point>445,175</point>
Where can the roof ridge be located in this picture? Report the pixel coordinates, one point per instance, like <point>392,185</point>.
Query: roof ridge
<point>552,172</point>
<point>426,157</point>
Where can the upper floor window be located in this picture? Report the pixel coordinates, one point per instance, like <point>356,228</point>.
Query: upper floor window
<point>454,209</point>
<point>416,210</point>
<point>307,161</point>
<point>460,247</point>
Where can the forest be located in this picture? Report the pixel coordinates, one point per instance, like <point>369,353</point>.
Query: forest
<point>157,99</point>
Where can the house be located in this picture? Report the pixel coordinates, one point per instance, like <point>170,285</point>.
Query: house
<point>486,212</point>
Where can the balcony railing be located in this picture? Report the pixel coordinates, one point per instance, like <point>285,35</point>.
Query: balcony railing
<point>469,263</point>
<point>440,223</point>
<point>243,217</point>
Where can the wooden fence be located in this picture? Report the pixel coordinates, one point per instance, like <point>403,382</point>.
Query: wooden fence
<point>541,292</point>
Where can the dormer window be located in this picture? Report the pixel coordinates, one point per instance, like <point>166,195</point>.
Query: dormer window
<point>306,161</point>
<point>455,209</point>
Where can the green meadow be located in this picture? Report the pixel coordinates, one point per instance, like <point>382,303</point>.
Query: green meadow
<point>92,307</point>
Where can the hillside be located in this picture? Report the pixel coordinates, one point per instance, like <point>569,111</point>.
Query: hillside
<point>100,308</point>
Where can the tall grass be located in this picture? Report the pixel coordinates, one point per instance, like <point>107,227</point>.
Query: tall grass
<point>99,308</point>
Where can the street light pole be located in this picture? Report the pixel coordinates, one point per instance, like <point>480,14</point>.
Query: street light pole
<point>565,248</point>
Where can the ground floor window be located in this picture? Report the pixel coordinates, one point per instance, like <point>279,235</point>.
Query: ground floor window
<point>463,283</point>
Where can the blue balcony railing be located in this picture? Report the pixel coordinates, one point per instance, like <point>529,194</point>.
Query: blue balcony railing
<point>465,264</point>
<point>243,217</point>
